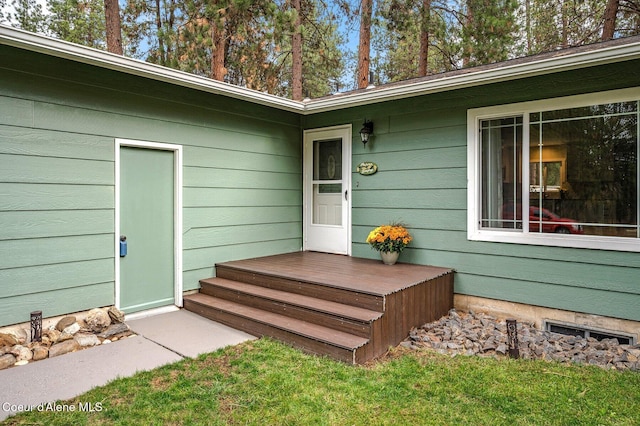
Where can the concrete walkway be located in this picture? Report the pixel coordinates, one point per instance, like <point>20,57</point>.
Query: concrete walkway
<point>161,339</point>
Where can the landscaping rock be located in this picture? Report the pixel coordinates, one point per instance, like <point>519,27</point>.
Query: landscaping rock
<point>63,348</point>
<point>478,334</point>
<point>6,361</point>
<point>64,336</point>
<point>8,339</point>
<point>65,322</point>
<point>85,339</point>
<point>113,330</point>
<point>116,315</point>
<point>21,353</point>
<point>71,329</point>
<point>101,326</point>
<point>51,336</point>
<point>97,320</point>
<point>40,352</point>
<point>22,335</point>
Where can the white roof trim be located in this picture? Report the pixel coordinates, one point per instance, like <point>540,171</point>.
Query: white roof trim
<point>505,71</point>
<point>500,72</point>
<point>60,48</point>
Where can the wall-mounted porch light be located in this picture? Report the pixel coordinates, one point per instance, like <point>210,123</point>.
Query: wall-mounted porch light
<point>366,131</point>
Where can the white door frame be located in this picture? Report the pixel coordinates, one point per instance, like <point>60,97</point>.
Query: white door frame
<point>177,212</point>
<point>343,132</point>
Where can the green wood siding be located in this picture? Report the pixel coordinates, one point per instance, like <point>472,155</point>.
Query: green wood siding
<point>420,146</point>
<point>242,179</point>
<point>243,185</point>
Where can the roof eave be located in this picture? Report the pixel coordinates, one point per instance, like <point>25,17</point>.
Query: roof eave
<point>62,49</point>
<point>547,64</point>
<point>501,73</point>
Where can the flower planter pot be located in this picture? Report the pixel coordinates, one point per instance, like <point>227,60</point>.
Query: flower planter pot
<point>389,257</point>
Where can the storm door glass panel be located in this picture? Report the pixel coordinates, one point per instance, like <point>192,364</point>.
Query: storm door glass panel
<point>584,170</point>
<point>501,146</point>
<point>327,182</point>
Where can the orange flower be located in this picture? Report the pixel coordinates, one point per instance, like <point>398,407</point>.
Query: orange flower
<point>389,238</point>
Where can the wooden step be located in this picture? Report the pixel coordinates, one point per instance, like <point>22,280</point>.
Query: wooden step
<point>351,309</point>
<point>312,338</point>
<point>351,319</point>
<point>308,285</point>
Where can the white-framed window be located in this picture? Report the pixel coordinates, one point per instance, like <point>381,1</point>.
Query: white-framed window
<point>560,172</point>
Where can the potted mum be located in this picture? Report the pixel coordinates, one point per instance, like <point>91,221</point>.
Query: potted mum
<point>389,240</point>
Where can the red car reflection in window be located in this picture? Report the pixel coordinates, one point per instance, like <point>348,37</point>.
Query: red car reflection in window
<point>551,222</point>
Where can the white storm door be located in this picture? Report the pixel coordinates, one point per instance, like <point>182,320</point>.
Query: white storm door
<point>327,190</point>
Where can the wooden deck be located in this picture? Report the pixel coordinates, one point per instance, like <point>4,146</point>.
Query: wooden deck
<point>348,308</point>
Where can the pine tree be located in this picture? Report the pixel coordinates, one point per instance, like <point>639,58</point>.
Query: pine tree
<point>364,45</point>
<point>293,47</point>
<point>296,51</point>
<point>621,19</point>
<point>27,15</point>
<point>488,32</point>
<point>250,43</point>
<point>551,25</point>
<point>3,5</point>
<point>154,24</point>
<point>610,12</point>
<point>425,30</point>
<point>322,59</point>
<point>77,21</point>
<point>414,38</point>
<point>113,26</point>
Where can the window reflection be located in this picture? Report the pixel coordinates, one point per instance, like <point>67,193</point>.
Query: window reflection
<point>582,171</point>
<point>583,166</point>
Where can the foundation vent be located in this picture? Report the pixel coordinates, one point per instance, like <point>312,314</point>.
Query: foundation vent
<point>577,330</point>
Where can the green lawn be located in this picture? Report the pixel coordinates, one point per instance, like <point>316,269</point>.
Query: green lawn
<point>264,382</point>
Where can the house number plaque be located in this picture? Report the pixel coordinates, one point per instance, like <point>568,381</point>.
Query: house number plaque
<point>367,168</point>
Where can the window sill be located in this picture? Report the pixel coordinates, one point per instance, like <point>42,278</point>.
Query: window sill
<point>554,240</point>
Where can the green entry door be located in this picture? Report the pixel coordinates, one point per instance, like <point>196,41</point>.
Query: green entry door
<point>147,220</point>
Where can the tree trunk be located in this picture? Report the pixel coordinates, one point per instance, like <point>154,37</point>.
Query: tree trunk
<point>296,53</point>
<point>467,48</point>
<point>564,10</point>
<point>114,30</point>
<point>161,50</point>
<point>364,48</point>
<point>610,13</point>
<point>218,37</point>
<point>527,6</point>
<point>424,38</point>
